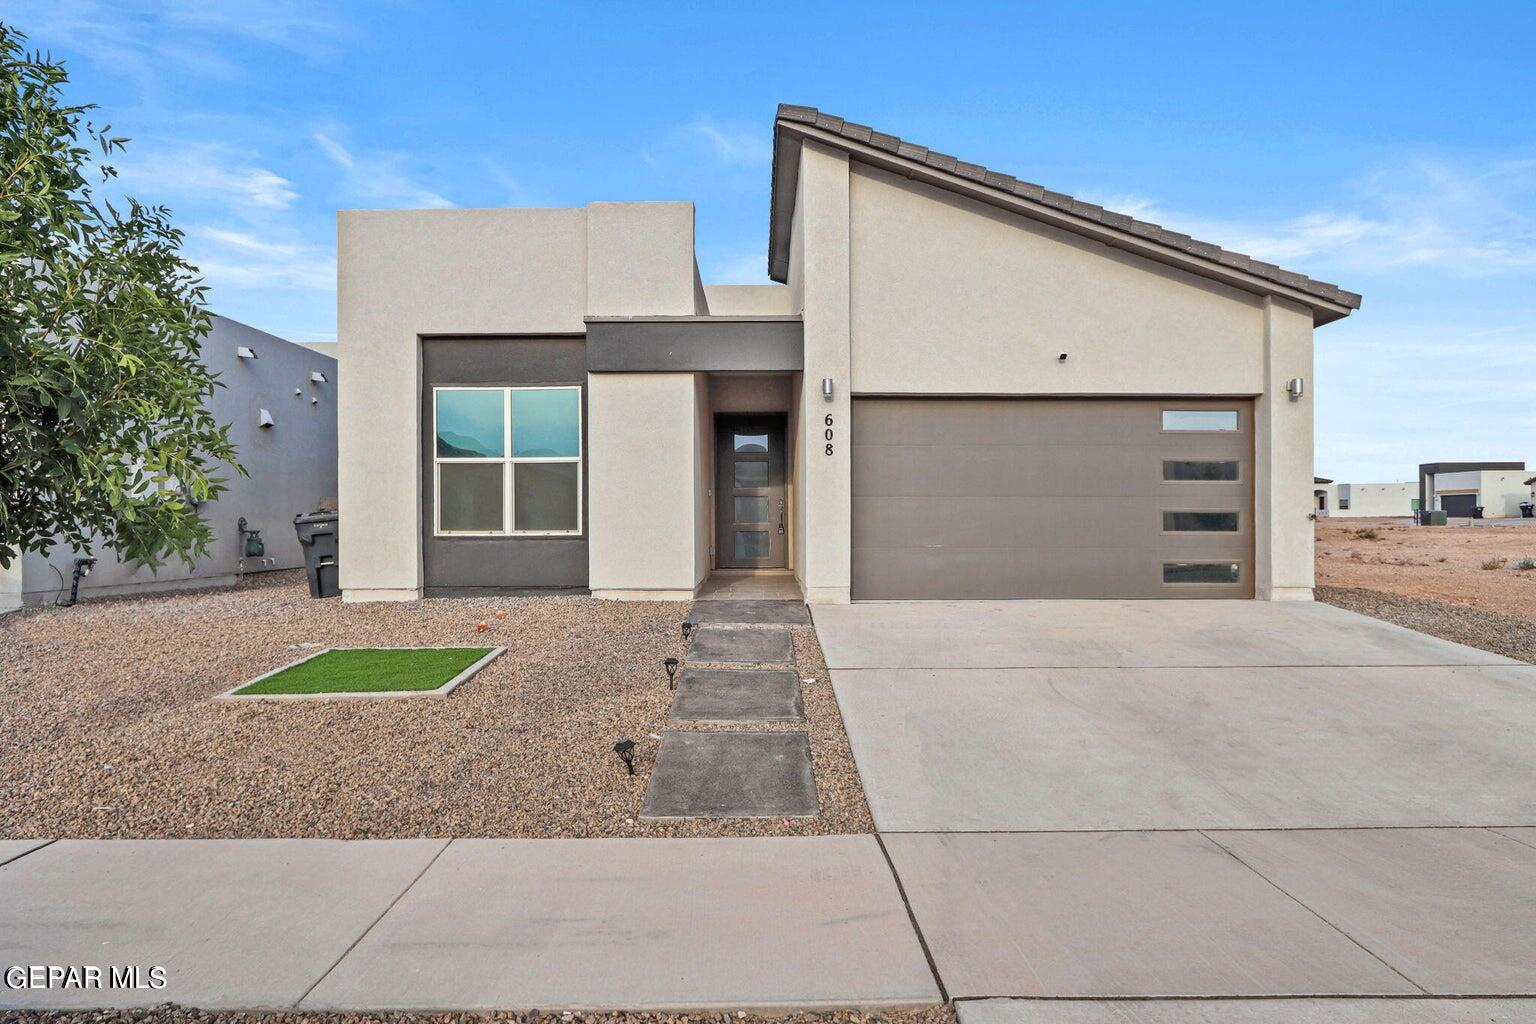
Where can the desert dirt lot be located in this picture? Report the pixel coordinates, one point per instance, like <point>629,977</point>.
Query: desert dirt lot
<point>107,729</point>
<point>1462,583</point>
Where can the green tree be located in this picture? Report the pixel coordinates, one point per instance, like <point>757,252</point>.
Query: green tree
<point>105,436</point>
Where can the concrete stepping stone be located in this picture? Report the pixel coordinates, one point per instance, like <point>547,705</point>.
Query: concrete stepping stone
<point>731,775</point>
<point>752,613</point>
<point>720,644</point>
<point>737,695</point>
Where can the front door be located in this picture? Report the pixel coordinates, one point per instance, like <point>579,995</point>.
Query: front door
<point>749,489</point>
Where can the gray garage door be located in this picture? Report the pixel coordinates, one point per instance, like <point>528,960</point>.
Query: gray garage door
<point>1021,498</point>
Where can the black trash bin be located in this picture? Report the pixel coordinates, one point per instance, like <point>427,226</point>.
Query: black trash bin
<point>1477,511</point>
<point>317,535</point>
<point>1527,509</point>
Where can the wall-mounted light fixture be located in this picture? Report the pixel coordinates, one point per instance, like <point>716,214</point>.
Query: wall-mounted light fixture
<point>264,419</point>
<point>826,388</point>
<point>1061,357</point>
<point>1296,387</point>
<point>316,377</point>
<point>245,353</point>
<point>297,392</point>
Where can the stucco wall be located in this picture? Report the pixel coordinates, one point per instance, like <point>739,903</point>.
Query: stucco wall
<point>1282,458</point>
<point>291,467</point>
<point>1503,490</point>
<point>953,296</point>
<point>643,445</point>
<point>405,274</point>
<point>748,300</point>
<point>822,209</point>
<point>1390,499</point>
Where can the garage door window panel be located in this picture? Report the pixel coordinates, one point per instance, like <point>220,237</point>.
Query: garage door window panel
<point>507,461</point>
<point>1202,572</point>
<point>1200,522</point>
<point>1200,470</point>
<point>1201,421</point>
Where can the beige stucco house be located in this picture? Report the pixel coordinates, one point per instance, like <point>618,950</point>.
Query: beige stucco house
<point>964,386</point>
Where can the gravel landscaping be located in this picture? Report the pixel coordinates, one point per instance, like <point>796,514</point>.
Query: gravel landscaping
<point>172,1014</point>
<point>1508,635</point>
<point>108,729</point>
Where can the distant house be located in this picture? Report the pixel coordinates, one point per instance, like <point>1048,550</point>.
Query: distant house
<point>1459,487</point>
<point>279,400</point>
<point>1346,500</point>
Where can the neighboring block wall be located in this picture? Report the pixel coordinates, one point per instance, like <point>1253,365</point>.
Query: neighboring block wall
<point>291,467</point>
<point>405,275</point>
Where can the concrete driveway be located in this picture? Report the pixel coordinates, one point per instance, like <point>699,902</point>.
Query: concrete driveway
<point>1094,804</point>
<point>1110,715</point>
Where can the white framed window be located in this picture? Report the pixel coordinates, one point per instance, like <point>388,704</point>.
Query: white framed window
<point>506,461</point>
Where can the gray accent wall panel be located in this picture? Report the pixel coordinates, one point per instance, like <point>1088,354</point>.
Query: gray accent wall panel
<point>1038,498</point>
<point>714,346</point>
<point>481,564</point>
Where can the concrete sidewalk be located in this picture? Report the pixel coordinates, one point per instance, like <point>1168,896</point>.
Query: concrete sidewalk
<point>426,924</point>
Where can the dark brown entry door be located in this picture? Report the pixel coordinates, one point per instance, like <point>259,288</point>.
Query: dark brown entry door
<point>749,490</point>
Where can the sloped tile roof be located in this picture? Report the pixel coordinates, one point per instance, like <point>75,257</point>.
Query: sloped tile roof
<point>1156,233</point>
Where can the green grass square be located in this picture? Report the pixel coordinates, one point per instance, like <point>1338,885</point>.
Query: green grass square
<point>369,670</point>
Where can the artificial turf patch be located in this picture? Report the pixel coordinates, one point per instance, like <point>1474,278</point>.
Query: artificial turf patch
<point>369,670</point>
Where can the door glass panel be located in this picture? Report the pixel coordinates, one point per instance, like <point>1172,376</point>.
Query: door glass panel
<point>544,496</point>
<point>1199,419</point>
<point>750,510</point>
<point>1199,469</point>
<point>750,442</point>
<point>470,497</point>
<point>751,543</point>
<point>1200,522</point>
<point>469,424</point>
<point>546,424</point>
<point>751,474</point>
<point>1200,572</point>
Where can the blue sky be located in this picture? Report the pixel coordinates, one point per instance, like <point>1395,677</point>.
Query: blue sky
<point>1388,148</point>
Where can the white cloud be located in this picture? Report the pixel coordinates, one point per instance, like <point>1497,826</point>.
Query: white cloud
<point>139,39</point>
<point>202,171</point>
<point>1470,220</point>
<point>732,146</point>
<point>375,176</point>
<point>230,258</point>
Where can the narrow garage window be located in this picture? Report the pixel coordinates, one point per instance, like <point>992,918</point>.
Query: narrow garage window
<point>1199,469</point>
<point>1200,572</point>
<point>1199,522</point>
<point>1200,419</point>
<point>507,461</point>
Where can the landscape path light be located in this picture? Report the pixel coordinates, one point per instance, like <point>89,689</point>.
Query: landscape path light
<point>626,751</point>
<point>671,666</point>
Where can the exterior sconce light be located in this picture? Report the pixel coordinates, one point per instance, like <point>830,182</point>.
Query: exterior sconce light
<point>671,666</point>
<point>297,392</point>
<point>1061,357</point>
<point>245,353</point>
<point>316,377</point>
<point>314,401</point>
<point>626,751</point>
<point>687,630</point>
<point>826,388</point>
<point>265,419</point>
<point>1296,387</point>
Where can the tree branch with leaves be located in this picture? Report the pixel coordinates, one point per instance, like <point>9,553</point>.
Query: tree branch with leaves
<point>105,434</point>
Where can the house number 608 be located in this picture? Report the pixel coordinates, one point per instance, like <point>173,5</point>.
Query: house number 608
<point>829,433</point>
